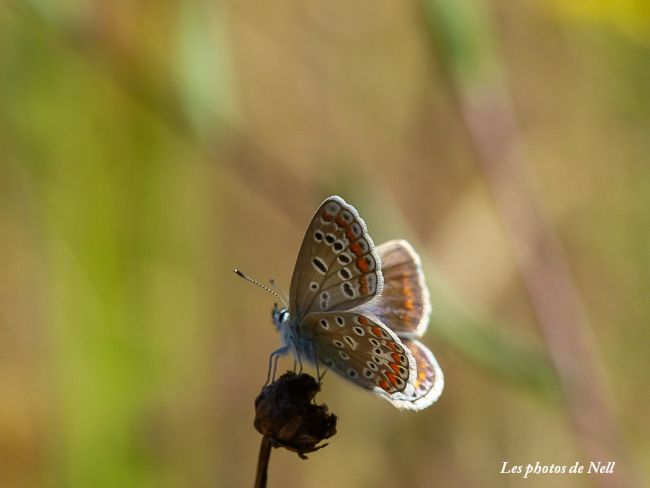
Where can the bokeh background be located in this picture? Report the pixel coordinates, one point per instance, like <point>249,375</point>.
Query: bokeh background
<point>147,148</point>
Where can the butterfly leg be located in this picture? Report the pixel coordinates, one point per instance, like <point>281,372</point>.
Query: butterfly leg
<point>321,376</point>
<point>273,363</point>
<point>318,373</point>
<point>297,356</point>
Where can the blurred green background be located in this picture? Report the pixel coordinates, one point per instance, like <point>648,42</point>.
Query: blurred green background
<point>147,148</point>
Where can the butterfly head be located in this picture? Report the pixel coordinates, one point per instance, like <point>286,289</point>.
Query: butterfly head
<point>280,316</point>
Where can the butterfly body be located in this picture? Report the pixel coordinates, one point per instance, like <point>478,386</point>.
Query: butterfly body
<point>359,309</point>
<point>298,342</point>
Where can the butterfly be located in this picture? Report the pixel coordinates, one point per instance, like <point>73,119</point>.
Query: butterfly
<point>359,309</point>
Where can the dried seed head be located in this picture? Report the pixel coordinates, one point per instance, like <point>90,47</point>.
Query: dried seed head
<point>284,412</point>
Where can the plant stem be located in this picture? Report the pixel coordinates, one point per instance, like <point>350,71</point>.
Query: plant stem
<point>263,462</point>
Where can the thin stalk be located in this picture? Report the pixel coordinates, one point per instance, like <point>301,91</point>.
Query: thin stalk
<point>263,462</point>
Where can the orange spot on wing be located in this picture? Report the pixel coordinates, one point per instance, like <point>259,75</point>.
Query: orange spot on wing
<point>327,217</point>
<point>341,221</point>
<point>362,265</point>
<point>350,235</point>
<point>397,357</point>
<point>392,346</point>
<point>422,376</point>
<point>376,330</point>
<point>392,378</point>
<point>363,320</point>
<point>383,384</point>
<point>356,249</point>
<point>407,291</point>
<point>409,304</point>
<point>363,285</point>
<point>394,367</point>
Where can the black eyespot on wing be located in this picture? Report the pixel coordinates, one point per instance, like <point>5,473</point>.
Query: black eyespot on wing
<point>319,264</point>
<point>348,290</point>
<point>344,259</point>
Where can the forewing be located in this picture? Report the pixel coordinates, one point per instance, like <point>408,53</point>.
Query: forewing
<point>364,351</point>
<point>404,304</point>
<point>337,266</point>
<point>429,380</point>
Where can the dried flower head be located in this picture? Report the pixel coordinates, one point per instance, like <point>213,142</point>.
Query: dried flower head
<point>285,413</point>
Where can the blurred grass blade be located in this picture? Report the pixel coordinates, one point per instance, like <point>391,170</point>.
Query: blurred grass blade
<point>205,85</point>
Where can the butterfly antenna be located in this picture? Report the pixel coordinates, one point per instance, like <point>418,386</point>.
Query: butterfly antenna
<point>279,290</point>
<point>263,287</point>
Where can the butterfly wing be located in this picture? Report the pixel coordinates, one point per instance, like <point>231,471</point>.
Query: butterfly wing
<point>429,379</point>
<point>364,351</point>
<point>337,266</point>
<point>404,307</point>
<point>345,322</point>
<point>404,304</point>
